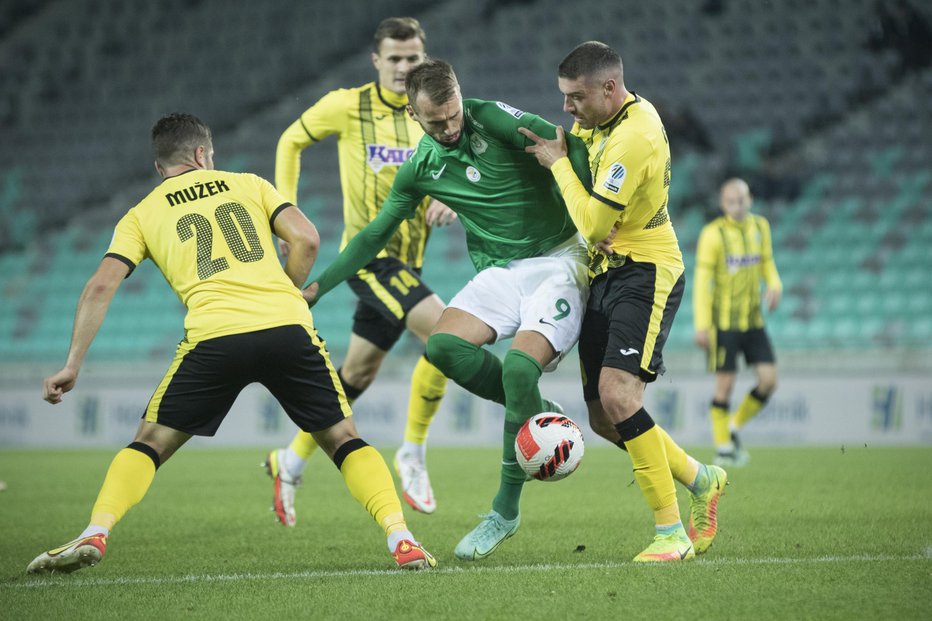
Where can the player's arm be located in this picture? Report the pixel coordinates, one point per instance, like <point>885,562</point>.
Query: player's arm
<point>92,308</point>
<point>293,227</point>
<point>771,277</point>
<point>326,117</point>
<point>593,214</point>
<point>364,247</point>
<point>402,203</point>
<point>708,250</point>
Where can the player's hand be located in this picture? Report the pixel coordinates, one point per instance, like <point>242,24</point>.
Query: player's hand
<point>310,293</point>
<point>605,246</point>
<point>702,339</point>
<point>56,385</point>
<point>439,214</point>
<point>772,298</point>
<point>546,151</point>
<point>283,248</point>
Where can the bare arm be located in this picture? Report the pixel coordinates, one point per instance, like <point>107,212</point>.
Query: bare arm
<point>293,227</point>
<point>92,308</point>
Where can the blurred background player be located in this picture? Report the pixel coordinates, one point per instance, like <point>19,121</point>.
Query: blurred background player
<point>375,137</point>
<point>531,280</point>
<point>210,234</point>
<point>637,283</point>
<point>733,255</point>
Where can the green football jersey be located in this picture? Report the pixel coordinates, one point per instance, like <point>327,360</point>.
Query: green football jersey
<point>509,205</point>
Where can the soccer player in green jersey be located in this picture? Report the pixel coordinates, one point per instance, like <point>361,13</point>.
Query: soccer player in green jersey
<point>637,284</point>
<point>210,234</point>
<point>532,277</point>
<point>733,256</point>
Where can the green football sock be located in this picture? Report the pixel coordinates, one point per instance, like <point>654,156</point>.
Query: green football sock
<point>522,401</point>
<point>470,366</point>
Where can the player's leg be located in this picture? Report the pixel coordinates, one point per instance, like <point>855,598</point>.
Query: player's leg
<point>758,351</point>
<point>428,386</point>
<point>640,301</point>
<point>303,380</point>
<point>720,412</point>
<point>548,295</point>
<point>455,347</point>
<point>371,338</point>
<point>192,399</point>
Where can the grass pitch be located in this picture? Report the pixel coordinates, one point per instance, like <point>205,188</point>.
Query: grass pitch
<point>805,533</point>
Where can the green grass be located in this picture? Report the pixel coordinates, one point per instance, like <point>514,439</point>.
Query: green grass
<point>805,533</point>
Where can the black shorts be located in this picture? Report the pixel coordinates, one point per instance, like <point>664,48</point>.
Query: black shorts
<point>205,378</point>
<point>727,344</point>
<point>387,290</point>
<point>627,321</point>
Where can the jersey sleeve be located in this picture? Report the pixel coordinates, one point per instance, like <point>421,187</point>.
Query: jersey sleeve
<point>128,244</point>
<point>769,266</point>
<point>272,200</point>
<point>404,198</point>
<point>621,169</point>
<point>708,254</point>
<point>364,247</point>
<point>326,117</point>
<point>593,217</point>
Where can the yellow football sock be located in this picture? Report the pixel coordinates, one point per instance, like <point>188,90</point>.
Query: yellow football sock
<point>750,406</point>
<point>652,472</point>
<point>683,467</point>
<point>428,386</point>
<point>370,483</point>
<point>127,481</point>
<point>303,445</point>
<point>721,433</point>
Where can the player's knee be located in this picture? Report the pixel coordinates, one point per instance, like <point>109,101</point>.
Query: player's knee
<point>445,351</point>
<point>621,403</point>
<point>766,386</point>
<point>603,427</point>
<point>357,377</point>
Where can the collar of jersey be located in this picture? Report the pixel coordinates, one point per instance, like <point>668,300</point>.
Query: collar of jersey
<point>182,173</point>
<point>395,101</point>
<point>630,100</point>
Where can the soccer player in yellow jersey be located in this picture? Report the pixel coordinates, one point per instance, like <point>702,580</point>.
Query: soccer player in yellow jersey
<point>733,255</point>
<point>637,283</point>
<point>210,234</point>
<point>376,136</point>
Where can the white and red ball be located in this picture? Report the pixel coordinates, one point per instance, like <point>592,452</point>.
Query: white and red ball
<point>549,446</point>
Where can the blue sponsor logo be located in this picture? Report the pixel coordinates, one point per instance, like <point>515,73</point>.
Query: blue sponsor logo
<point>887,410</point>
<point>379,155</point>
<point>735,261</point>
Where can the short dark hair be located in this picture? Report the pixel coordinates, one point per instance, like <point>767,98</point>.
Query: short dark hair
<point>400,28</point>
<point>589,58</point>
<point>176,135</point>
<point>433,77</point>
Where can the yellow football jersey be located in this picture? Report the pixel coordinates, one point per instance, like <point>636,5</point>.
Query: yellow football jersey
<point>629,157</point>
<point>210,233</point>
<point>731,259</point>
<point>375,137</point>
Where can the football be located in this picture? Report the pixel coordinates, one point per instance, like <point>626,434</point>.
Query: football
<point>549,446</point>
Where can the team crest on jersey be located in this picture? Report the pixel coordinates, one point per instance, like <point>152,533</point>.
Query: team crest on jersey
<point>510,110</point>
<point>380,155</point>
<point>616,177</point>
<point>472,173</point>
<point>478,144</point>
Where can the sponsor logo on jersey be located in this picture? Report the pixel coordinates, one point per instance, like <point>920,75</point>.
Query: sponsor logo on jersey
<point>616,177</point>
<point>381,155</point>
<point>479,145</point>
<point>737,261</point>
<point>510,110</point>
<point>472,174</point>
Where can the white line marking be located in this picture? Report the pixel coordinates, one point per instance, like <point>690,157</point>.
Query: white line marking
<point>63,581</point>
